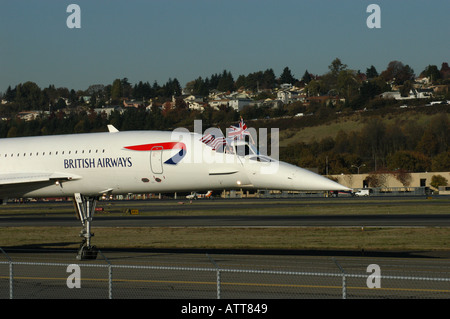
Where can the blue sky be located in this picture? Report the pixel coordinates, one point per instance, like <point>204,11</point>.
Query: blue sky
<point>155,40</point>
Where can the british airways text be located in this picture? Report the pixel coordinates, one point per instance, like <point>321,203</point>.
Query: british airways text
<point>98,162</point>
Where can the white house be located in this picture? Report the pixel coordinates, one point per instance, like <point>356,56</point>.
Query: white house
<point>289,96</point>
<point>218,103</point>
<point>239,104</point>
<point>413,94</point>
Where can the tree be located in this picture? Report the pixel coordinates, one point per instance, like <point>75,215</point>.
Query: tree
<point>441,162</point>
<point>29,95</point>
<point>397,72</point>
<point>432,72</point>
<point>314,88</point>
<point>226,82</point>
<point>438,180</point>
<point>403,177</point>
<point>336,67</point>
<point>371,72</point>
<point>306,77</point>
<point>347,84</point>
<point>445,70</point>
<point>377,179</point>
<point>428,144</point>
<point>287,77</point>
<point>126,88</point>
<point>199,87</point>
<point>171,88</point>
<point>269,79</point>
<point>406,88</point>
<point>410,161</point>
<point>10,94</point>
<point>369,90</point>
<point>116,91</point>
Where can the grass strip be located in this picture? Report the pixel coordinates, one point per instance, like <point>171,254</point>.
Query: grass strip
<point>369,238</point>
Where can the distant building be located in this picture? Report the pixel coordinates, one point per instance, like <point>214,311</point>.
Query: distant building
<point>133,103</point>
<point>388,180</point>
<point>289,96</point>
<point>239,104</point>
<point>109,110</point>
<point>413,94</point>
<point>28,115</point>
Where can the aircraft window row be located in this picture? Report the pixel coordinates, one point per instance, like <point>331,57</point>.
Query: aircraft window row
<point>76,152</point>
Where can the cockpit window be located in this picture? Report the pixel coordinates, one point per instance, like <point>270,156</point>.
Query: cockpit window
<point>242,150</point>
<point>245,149</point>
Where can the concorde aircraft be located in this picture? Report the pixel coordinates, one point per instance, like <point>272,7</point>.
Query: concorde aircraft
<point>88,166</point>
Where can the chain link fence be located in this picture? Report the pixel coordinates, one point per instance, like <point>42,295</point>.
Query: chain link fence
<point>212,277</point>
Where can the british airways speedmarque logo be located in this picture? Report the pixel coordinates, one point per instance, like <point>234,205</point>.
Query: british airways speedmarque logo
<point>174,160</point>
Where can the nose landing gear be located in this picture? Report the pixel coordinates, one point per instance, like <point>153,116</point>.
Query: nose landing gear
<point>85,207</point>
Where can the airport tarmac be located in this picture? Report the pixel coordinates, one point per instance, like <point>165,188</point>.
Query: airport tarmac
<point>203,213</point>
<point>251,274</point>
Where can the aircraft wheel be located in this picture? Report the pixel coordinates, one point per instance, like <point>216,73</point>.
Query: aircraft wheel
<point>87,253</point>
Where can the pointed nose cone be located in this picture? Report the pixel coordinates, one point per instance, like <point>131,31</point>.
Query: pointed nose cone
<point>307,180</point>
<point>290,177</point>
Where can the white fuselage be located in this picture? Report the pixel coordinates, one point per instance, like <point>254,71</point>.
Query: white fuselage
<point>138,162</point>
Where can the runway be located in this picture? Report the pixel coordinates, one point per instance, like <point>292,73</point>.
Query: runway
<point>238,221</point>
<point>234,213</point>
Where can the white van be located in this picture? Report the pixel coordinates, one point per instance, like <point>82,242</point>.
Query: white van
<point>363,192</point>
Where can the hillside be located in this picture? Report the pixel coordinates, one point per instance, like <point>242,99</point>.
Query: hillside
<point>412,140</point>
<point>350,123</point>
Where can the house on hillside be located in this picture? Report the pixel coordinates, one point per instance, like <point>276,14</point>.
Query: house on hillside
<point>195,102</point>
<point>239,104</point>
<point>324,99</point>
<point>216,104</point>
<point>413,94</point>
<point>133,103</point>
<point>28,115</point>
<point>289,96</point>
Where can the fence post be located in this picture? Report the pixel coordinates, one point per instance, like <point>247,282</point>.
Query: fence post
<point>218,278</point>
<point>218,284</point>
<point>11,275</point>
<point>344,279</point>
<point>110,295</point>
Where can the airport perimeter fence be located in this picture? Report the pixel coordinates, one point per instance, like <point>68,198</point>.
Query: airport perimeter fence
<point>92,280</point>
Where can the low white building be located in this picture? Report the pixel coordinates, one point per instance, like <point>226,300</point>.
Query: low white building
<point>239,104</point>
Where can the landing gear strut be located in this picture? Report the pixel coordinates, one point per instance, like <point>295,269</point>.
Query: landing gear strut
<point>85,206</point>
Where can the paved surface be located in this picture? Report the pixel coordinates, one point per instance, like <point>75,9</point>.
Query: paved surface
<point>193,274</point>
<point>196,214</point>
<point>149,274</point>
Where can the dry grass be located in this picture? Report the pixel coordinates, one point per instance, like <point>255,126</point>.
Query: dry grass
<point>388,238</point>
<point>371,238</point>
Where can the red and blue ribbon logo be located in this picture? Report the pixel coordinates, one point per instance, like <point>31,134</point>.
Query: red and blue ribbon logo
<point>174,160</point>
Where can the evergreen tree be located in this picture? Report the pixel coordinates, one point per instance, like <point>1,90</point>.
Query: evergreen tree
<point>287,77</point>
<point>371,72</point>
<point>226,82</point>
<point>306,77</point>
<point>116,91</point>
